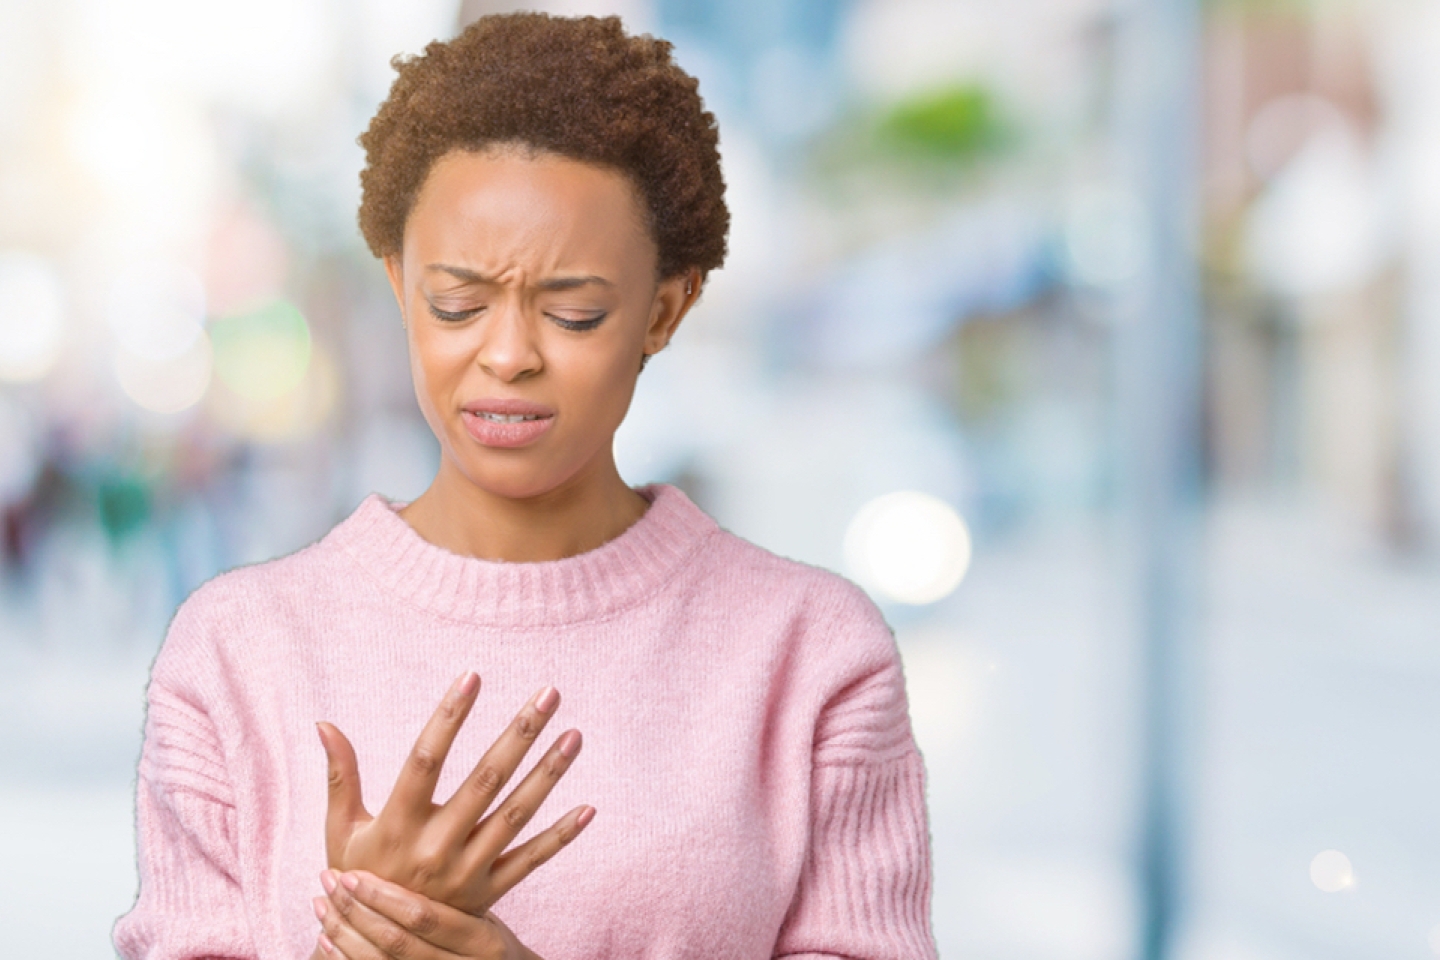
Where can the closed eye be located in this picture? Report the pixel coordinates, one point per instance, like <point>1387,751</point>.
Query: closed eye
<point>455,315</point>
<point>589,323</point>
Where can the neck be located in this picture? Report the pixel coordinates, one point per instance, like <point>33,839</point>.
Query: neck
<point>586,512</point>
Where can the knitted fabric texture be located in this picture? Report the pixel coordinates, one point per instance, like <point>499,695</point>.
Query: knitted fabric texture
<point>747,744</point>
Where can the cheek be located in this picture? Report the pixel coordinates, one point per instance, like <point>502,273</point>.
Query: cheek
<point>601,382</point>
<point>436,361</point>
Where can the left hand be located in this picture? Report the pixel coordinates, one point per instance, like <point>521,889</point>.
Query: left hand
<point>453,852</point>
<point>367,918</point>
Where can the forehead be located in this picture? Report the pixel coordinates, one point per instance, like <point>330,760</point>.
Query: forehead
<point>527,209</point>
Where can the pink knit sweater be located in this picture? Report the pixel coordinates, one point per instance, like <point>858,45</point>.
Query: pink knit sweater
<point>747,746</point>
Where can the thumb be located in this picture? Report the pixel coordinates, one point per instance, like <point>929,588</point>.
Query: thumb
<point>346,808</point>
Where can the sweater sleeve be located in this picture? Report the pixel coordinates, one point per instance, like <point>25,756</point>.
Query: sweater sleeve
<point>190,904</point>
<point>865,888</point>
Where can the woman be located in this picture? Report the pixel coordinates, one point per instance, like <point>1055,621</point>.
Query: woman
<point>546,197</point>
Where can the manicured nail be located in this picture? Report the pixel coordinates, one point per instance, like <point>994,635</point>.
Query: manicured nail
<point>570,744</point>
<point>319,904</point>
<point>349,881</point>
<point>468,683</point>
<point>585,817</point>
<point>320,732</point>
<point>326,945</point>
<point>327,880</point>
<point>547,699</point>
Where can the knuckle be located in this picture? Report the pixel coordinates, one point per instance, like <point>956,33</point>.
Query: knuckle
<point>450,708</point>
<point>345,905</point>
<point>515,815</point>
<point>336,779</point>
<point>424,761</point>
<point>486,780</point>
<point>394,941</point>
<point>420,920</point>
<point>427,871</point>
<point>565,833</point>
<point>526,727</point>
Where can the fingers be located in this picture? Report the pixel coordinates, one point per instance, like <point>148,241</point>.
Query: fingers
<point>498,764</point>
<point>415,787</point>
<point>339,939</point>
<point>402,923</point>
<point>517,864</point>
<point>345,807</point>
<point>496,831</point>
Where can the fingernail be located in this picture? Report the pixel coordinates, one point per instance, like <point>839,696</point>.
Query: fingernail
<point>349,881</point>
<point>319,904</point>
<point>585,817</point>
<point>570,744</point>
<point>469,683</point>
<point>547,699</point>
<point>326,945</point>
<point>327,880</point>
<point>320,732</point>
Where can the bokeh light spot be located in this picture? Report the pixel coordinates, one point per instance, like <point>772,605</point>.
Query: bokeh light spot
<point>297,413</point>
<point>167,385</point>
<point>32,317</point>
<point>1331,871</point>
<point>156,309</point>
<point>262,355</point>
<point>909,547</point>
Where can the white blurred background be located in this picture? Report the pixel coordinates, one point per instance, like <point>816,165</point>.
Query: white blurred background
<point>1098,339</point>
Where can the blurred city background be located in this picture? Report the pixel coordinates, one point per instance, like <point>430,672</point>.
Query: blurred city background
<point>1098,339</point>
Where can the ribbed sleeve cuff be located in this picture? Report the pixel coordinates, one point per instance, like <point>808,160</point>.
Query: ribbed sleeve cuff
<point>190,903</point>
<point>865,891</point>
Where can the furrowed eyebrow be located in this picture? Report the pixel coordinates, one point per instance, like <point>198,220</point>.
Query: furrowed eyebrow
<point>552,284</point>
<point>460,273</point>
<point>572,283</point>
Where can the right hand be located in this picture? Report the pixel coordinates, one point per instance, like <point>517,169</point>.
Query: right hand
<point>447,852</point>
<point>366,918</point>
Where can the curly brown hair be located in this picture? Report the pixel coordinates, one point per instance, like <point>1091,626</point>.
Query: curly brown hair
<point>577,87</point>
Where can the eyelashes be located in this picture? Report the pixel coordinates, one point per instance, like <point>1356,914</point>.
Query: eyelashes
<point>457,316</point>
<point>589,323</point>
<point>452,317</point>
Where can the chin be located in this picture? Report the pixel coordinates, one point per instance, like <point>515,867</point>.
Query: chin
<point>514,474</point>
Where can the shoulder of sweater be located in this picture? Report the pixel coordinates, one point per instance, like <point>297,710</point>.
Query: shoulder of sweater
<point>234,599</point>
<point>735,555</point>
<point>825,598</point>
<point>242,588</point>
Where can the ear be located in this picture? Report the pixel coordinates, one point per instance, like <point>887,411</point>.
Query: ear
<point>673,299</point>
<point>397,281</point>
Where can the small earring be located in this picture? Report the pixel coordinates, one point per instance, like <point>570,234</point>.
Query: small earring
<point>689,286</point>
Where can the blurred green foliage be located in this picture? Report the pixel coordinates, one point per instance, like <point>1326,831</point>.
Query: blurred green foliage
<point>932,142</point>
<point>954,123</point>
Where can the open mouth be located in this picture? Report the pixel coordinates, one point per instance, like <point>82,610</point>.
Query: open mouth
<point>506,423</point>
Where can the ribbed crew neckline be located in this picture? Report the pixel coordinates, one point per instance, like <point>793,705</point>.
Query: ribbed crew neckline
<point>588,586</point>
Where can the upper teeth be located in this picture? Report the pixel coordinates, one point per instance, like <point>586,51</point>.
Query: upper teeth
<point>509,417</point>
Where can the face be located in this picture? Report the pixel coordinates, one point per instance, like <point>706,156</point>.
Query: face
<point>527,282</point>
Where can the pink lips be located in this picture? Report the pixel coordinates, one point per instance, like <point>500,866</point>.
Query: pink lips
<point>478,414</point>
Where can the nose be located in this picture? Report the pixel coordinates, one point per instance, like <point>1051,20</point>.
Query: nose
<point>507,350</point>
